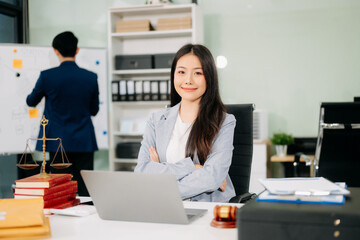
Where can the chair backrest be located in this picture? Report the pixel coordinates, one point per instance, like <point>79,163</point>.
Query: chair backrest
<point>337,155</point>
<point>240,168</point>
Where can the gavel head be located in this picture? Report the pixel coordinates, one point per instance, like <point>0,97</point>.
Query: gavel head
<point>225,213</point>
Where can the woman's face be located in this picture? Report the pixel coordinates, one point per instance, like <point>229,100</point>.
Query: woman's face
<point>189,79</point>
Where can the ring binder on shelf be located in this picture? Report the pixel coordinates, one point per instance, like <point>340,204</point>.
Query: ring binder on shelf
<point>146,91</point>
<point>130,90</point>
<point>163,90</point>
<point>138,90</point>
<point>115,91</point>
<point>154,90</point>
<point>123,90</point>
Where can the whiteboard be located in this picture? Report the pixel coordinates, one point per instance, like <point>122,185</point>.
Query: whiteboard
<point>20,67</point>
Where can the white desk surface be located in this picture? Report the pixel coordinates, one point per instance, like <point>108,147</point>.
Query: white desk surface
<point>93,227</point>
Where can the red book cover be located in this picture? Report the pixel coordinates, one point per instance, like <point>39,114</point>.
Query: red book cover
<point>59,200</point>
<point>35,182</point>
<point>67,204</point>
<point>69,187</point>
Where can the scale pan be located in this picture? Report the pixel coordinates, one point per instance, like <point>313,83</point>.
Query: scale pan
<point>60,165</point>
<point>27,166</point>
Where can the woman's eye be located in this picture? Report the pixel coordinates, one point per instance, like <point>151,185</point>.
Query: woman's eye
<point>181,72</point>
<point>198,73</point>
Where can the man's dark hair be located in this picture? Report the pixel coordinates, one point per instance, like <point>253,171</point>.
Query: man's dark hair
<point>66,44</point>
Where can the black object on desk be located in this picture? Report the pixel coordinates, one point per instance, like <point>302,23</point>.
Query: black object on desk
<point>291,221</point>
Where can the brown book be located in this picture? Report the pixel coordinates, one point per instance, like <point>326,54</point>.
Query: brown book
<point>50,201</point>
<point>59,200</point>
<point>57,190</point>
<point>67,204</point>
<point>36,182</point>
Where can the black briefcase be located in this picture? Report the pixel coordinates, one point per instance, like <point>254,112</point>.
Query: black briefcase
<point>290,221</point>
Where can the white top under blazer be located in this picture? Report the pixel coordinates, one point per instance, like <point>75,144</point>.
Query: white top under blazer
<point>176,148</point>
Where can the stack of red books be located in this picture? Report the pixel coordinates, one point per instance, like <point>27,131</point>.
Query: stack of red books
<point>57,191</point>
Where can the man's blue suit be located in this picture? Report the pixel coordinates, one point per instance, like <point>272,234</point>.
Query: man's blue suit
<point>71,98</point>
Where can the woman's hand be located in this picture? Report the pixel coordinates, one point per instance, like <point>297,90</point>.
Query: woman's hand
<point>153,154</point>
<point>224,183</point>
<point>223,186</point>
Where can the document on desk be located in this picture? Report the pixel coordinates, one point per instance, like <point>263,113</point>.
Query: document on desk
<point>318,186</point>
<point>266,196</point>
<point>77,211</point>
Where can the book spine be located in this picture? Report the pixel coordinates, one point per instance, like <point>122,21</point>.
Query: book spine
<point>67,204</point>
<point>60,193</point>
<point>59,200</point>
<point>68,187</point>
<point>61,187</point>
<point>36,182</point>
<point>58,180</point>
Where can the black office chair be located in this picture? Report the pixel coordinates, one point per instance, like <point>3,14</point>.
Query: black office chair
<point>337,155</point>
<point>240,168</point>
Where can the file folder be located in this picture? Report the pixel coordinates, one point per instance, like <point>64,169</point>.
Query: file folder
<point>317,186</point>
<point>130,90</point>
<point>163,90</point>
<point>154,90</point>
<point>138,90</point>
<point>122,90</point>
<point>115,91</point>
<point>146,91</point>
<point>327,199</point>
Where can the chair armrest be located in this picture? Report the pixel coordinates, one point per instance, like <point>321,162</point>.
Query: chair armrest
<point>243,198</point>
<point>298,155</point>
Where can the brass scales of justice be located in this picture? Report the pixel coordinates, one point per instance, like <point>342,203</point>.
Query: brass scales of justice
<point>65,161</point>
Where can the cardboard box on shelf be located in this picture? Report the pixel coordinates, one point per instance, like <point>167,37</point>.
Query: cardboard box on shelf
<point>142,25</point>
<point>174,23</point>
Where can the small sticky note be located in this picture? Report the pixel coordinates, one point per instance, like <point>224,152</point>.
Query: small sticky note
<point>33,113</point>
<point>17,63</point>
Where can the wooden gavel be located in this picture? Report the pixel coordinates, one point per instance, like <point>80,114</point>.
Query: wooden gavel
<point>225,213</point>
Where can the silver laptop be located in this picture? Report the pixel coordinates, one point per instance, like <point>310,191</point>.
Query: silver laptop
<point>138,197</point>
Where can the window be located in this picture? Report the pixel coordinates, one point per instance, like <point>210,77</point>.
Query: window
<point>13,21</point>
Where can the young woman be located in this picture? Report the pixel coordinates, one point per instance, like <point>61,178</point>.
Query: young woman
<point>193,140</point>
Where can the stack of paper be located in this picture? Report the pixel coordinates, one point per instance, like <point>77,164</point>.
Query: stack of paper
<point>303,190</point>
<point>23,219</point>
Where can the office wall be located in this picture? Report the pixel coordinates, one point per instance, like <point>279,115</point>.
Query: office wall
<point>284,56</point>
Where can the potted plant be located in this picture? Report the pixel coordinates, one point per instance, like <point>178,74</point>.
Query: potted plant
<point>281,140</point>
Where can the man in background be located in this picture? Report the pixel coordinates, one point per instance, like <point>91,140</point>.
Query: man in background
<point>71,98</point>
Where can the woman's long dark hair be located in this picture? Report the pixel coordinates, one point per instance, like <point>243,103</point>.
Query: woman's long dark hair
<point>212,110</point>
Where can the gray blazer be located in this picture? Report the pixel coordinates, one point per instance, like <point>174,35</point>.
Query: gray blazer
<point>196,185</point>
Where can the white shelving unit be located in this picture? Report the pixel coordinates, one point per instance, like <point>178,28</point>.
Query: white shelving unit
<point>149,42</point>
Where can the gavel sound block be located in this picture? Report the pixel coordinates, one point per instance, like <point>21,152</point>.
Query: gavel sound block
<point>224,217</point>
